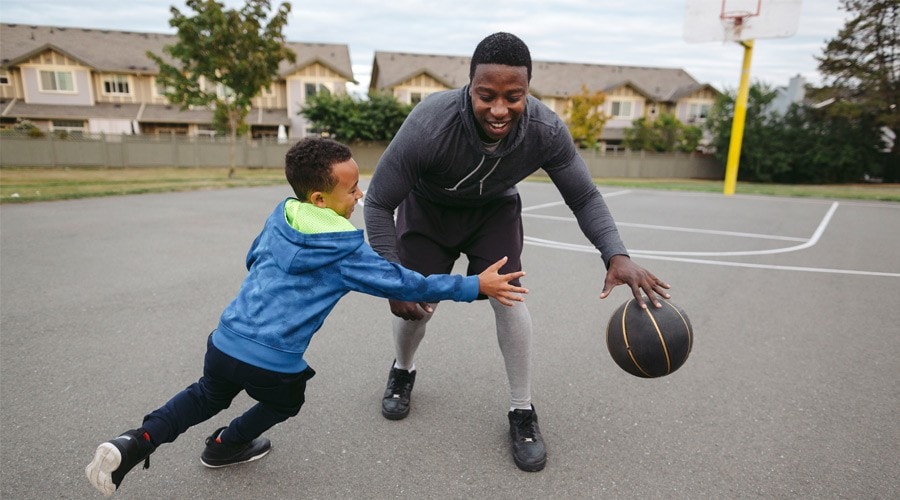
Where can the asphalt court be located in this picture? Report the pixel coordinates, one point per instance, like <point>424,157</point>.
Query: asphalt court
<point>790,391</point>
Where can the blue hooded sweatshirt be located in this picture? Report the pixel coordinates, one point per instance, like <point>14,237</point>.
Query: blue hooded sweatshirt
<point>295,279</point>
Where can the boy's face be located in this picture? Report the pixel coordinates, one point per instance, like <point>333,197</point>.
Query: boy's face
<point>342,199</point>
<point>498,95</point>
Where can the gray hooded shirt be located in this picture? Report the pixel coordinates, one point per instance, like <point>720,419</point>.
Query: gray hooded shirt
<point>438,156</point>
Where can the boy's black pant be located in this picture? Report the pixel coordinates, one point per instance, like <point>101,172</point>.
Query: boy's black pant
<point>279,396</point>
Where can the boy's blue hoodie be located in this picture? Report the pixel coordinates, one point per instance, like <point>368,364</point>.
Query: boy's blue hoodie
<point>295,279</point>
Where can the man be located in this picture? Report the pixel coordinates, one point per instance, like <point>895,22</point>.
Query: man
<point>451,174</point>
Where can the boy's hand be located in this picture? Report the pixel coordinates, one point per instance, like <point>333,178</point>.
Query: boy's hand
<point>496,285</point>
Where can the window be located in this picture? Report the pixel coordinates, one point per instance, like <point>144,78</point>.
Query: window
<point>698,112</point>
<point>312,89</point>
<point>57,81</point>
<point>622,109</point>
<point>161,90</point>
<point>116,84</point>
<point>413,97</point>
<point>224,93</point>
<point>72,127</point>
<point>267,91</point>
<point>4,77</point>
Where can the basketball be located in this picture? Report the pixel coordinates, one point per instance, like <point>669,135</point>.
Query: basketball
<point>650,342</point>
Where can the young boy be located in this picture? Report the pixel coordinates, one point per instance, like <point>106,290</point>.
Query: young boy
<point>306,258</point>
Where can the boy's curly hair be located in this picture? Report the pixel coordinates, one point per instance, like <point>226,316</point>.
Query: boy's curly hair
<point>308,165</point>
<point>501,48</point>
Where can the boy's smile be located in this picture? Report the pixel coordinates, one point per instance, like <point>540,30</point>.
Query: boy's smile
<point>342,199</point>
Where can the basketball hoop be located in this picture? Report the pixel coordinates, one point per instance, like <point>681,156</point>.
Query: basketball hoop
<point>740,20</point>
<point>736,15</point>
<point>733,25</point>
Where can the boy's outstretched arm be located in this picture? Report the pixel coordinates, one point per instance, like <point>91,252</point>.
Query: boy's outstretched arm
<point>496,285</point>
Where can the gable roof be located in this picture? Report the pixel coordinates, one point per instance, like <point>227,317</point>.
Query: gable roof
<point>549,79</point>
<point>564,79</point>
<point>333,56</point>
<point>390,69</point>
<point>92,47</point>
<point>692,89</point>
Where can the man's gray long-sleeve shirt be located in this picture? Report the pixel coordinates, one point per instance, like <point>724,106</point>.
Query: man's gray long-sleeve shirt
<point>438,156</point>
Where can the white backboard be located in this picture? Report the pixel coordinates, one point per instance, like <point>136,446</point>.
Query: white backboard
<point>737,20</point>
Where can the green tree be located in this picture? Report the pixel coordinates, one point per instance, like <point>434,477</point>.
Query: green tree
<point>757,160</point>
<point>585,117</point>
<point>665,134</point>
<point>821,147</point>
<point>806,145</point>
<point>223,58</point>
<point>861,66</point>
<point>348,118</point>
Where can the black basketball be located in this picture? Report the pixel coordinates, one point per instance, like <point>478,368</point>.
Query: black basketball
<point>649,342</point>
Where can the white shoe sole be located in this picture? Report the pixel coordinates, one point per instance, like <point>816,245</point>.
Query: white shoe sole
<point>99,472</point>
<point>257,457</point>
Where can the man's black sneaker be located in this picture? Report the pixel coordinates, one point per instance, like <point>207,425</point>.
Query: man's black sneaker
<point>218,454</point>
<point>395,403</point>
<point>527,444</point>
<point>114,458</point>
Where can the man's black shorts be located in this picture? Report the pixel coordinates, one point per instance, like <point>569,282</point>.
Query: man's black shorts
<point>430,237</point>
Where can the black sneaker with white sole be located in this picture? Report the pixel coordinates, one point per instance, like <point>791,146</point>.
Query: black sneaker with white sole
<point>527,444</point>
<point>218,454</point>
<point>395,402</point>
<point>116,457</point>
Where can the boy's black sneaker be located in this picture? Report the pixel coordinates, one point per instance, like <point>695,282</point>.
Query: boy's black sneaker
<point>527,444</point>
<point>114,458</point>
<point>395,403</point>
<point>218,454</point>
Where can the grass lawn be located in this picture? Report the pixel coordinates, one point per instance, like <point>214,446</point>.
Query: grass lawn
<point>19,185</point>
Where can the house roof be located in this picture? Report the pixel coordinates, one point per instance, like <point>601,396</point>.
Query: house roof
<point>548,79</point>
<point>21,109</point>
<point>390,69</point>
<point>92,47</point>
<point>150,113</point>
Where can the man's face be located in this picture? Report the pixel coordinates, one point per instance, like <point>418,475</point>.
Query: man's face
<point>342,199</point>
<point>498,98</point>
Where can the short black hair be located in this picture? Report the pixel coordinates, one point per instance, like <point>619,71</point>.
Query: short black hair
<point>308,165</point>
<point>501,48</point>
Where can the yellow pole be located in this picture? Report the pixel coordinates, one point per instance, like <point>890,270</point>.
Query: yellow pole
<point>737,126</point>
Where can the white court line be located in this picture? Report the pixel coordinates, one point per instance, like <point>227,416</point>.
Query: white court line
<point>587,249</point>
<point>557,203</point>
<point>680,256</point>
<point>803,246</point>
<point>806,243</point>
<point>680,229</point>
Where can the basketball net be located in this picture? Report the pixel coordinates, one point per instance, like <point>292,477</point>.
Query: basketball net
<point>733,24</point>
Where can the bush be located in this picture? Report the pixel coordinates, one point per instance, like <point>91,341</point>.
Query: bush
<point>805,146</point>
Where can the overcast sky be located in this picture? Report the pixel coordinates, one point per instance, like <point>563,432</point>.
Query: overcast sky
<point>632,32</point>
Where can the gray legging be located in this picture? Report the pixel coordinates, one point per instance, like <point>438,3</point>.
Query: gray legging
<point>514,332</point>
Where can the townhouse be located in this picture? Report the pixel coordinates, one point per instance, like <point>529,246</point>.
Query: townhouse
<point>83,80</point>
<point>631,91</point>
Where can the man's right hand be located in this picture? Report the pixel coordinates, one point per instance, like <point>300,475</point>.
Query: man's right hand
<point>410,310</point>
